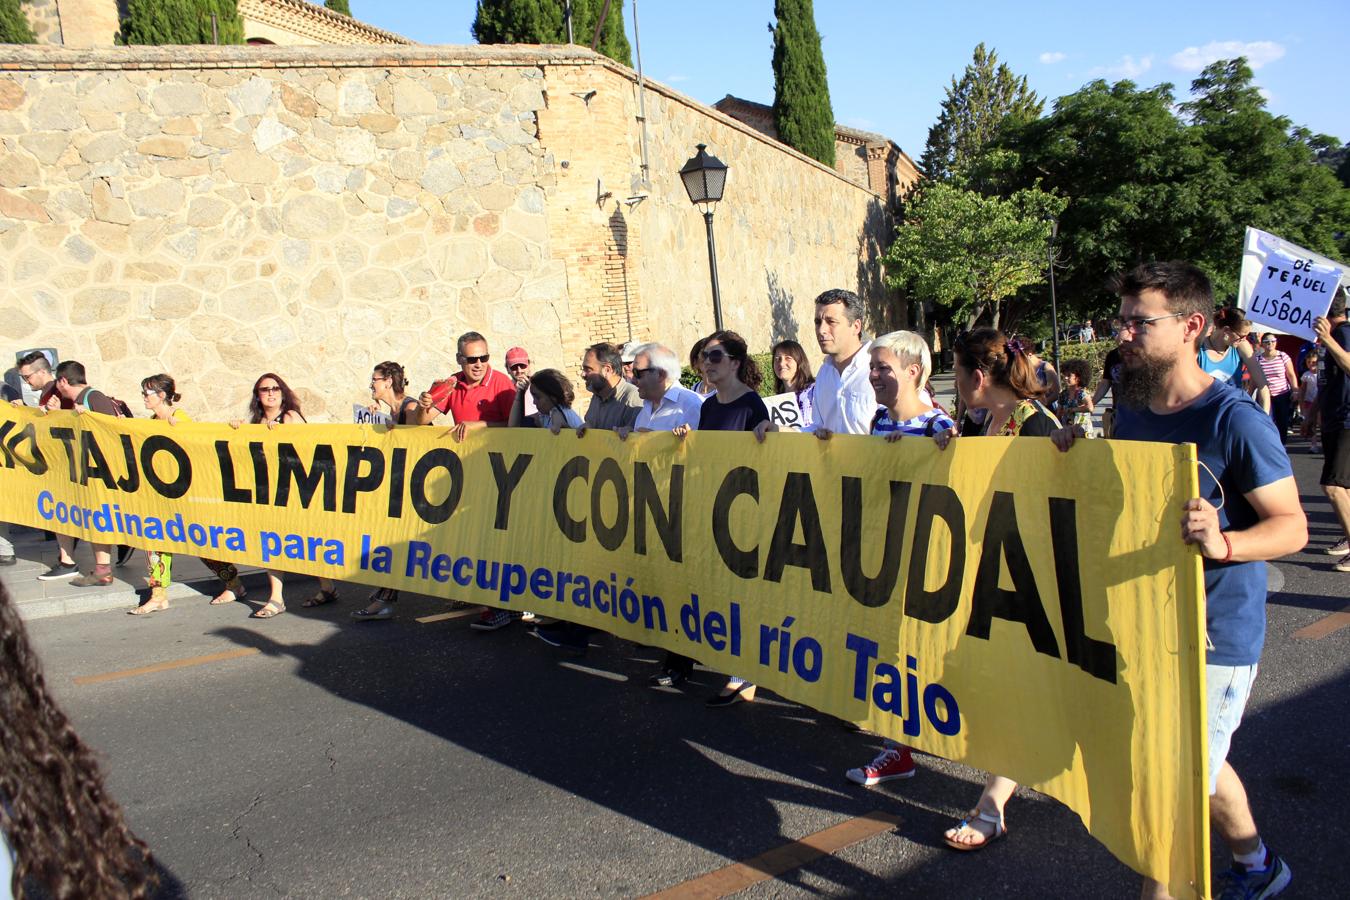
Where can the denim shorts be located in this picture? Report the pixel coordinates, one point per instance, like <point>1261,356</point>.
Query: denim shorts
<point>1228,688</point>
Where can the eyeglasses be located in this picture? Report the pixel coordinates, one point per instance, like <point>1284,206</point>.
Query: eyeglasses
<point>270,389</point>
<point>470,360</point>
<point>638,373</point>
<point>28,375</point>
<point>1137,324</point>
<point>1267,343</point>
<point>376,378</point>
<point>518,366</point>
<point>715,355</point>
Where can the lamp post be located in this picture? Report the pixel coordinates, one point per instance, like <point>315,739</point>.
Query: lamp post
<point>704,177</point>
<point>1054,308</point>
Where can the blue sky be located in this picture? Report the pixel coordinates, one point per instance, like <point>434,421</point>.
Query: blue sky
<point>889,63</point>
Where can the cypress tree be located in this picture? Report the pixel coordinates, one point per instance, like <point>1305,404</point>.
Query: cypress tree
<point>14,24</point>
<point>181,22</point>
<point>541,22</point>
<point>339,6</point>
<point>801,92</point>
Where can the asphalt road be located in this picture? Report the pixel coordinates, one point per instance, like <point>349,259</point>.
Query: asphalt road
<point>333,758</point>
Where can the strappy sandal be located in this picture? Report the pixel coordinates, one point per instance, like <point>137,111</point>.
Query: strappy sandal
<point>270,609</point>
<point>320,598</point>
<point>1000,831</point>
<point>153,605</point>
<point>229,595</point>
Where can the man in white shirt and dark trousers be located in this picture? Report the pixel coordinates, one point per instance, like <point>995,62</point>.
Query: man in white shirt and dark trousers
<point>845,402</point>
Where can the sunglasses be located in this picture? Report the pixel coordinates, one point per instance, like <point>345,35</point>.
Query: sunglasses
<point>150,393</point>
<point>271,389</point>
<point>515,366</point>
<point>470,360</point>
<point>638,373</point>
<point>715,355</point>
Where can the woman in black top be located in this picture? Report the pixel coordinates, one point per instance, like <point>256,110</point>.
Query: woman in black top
<point>734,406</point>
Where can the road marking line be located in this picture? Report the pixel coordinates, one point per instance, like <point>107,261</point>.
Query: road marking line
<point>166,666</point>
<point>739,876</point>
<point>1325,626</point>
<point>441,617</point>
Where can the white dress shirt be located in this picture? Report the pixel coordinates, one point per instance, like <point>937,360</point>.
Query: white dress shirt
<point>679,406</point>
<point>845,402</point>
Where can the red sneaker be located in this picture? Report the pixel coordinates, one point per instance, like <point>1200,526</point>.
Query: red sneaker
<point>893,762</point>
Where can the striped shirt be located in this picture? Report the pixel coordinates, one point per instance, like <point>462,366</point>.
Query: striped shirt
<point>1277,376</point>
<point>925,425</point>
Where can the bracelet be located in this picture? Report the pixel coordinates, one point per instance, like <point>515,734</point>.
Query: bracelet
<point>1228,546</point>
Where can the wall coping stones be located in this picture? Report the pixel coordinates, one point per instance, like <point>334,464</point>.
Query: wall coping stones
<point>45,57</point>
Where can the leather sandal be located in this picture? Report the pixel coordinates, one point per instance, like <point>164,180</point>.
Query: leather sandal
<point>320,598</point>
<point>270,609</point>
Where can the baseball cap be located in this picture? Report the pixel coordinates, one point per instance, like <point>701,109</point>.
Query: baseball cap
<point>516,355</point>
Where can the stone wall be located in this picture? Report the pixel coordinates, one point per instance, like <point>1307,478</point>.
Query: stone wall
<point>221,212</point>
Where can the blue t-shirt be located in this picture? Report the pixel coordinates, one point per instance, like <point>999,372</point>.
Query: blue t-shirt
<point>1228,368</point>
<point>1333,387</point>
<point>1241,447</point>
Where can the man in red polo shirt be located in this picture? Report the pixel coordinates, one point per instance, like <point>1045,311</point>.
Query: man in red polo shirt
<point>475,397</point>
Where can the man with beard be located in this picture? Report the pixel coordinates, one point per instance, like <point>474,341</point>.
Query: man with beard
<point>1248,512</point>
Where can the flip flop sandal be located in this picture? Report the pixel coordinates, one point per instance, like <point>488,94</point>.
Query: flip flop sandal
<point>1000,831</point>
<point>320,598</point>
<point>270,610</point>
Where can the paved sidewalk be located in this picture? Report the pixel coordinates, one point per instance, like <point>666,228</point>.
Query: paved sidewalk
<point>45,599</point>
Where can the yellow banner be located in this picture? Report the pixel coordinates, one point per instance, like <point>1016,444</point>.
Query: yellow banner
<point>1029,612</point>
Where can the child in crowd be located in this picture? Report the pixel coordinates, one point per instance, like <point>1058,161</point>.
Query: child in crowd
<point>553,396</point>
<point>1307,399</point>
<point>1074,406</point>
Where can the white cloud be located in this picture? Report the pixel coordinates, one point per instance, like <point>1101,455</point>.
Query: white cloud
<point>676,79</point>
<point>1266,95</point>
<point>1258,54</point>
<point>1052,57</point>
<point>1128,67</point>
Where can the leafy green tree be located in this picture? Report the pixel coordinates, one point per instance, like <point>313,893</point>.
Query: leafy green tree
<point>801,91</point>
<point>541,22</point>
<point>1274,181</point>
<point>975,108</point>
<point>969,252</point>
<point>1143,183</point>
<point>339,6</point>
<point>14,27</point>
<point>181,22</point>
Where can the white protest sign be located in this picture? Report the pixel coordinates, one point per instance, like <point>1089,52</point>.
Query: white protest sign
<point>363,415</point>
<point>784,412</point>
<point>1284,286</point>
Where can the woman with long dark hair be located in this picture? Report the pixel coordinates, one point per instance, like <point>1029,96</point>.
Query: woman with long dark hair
<point>734,405</point>
<point>792,372</point>
<point>68,836</point>
<point>273,403</point>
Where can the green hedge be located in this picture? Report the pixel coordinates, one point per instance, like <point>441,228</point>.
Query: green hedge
<point>1094,353</point>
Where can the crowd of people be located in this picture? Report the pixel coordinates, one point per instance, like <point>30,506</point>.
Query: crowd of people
<point>1181,372</point>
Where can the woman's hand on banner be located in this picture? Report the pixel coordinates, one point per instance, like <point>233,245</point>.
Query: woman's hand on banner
<point>944,437</point>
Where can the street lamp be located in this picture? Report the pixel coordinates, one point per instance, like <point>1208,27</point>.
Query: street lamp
<point>704,178</point>
<point>1054,308</point>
